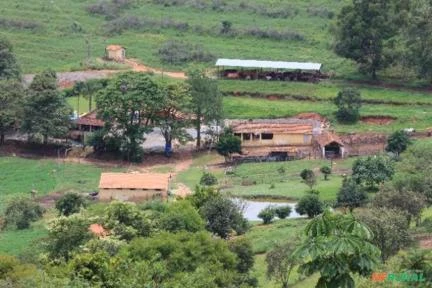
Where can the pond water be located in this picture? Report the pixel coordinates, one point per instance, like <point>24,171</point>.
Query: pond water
<point>252,208</point>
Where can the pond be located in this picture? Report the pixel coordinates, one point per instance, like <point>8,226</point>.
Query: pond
<point>252,208</point>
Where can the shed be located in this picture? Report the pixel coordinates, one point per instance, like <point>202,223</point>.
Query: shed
<point>115,53</point>
<point>330,145</point>
<point>133,186</point>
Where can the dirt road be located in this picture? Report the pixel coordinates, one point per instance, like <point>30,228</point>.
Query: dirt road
<point>68,79</point>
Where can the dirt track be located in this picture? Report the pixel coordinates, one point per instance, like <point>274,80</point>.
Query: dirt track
<point>68,79</point>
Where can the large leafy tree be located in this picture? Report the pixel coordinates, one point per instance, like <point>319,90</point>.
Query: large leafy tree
<point>351,195</point>
<point>206,103</point>
<point>11,96</point>
<point>20,213</point>
<point>337,246</point>
<point>363,34</point>
<point>281,262</point>
<point>129,105</point>
<point>418,40</point>
<point>172,120</point>
<point>70,203</point>
<point>390,229</point>
<point>222,216</point>
<point>392,198</point>
<point>228,144</point>
<point>398,142</point>
<point>348,102</point>
<point>310,205</point>
<point>46,111</point>
<point>9,68</point>
<point>373,170</point>
<point>414,172</point>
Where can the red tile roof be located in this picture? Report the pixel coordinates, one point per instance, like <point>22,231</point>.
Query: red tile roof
<point>90,119</point>
<point>98,230</point>
<point>114,47</point>
<point>281,128</point>
<point>149,181</point>
<point>326,138</point>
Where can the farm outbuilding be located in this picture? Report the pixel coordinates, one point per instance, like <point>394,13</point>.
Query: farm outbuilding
<point>276,138</point>
<point>115,53</point>
<point>85,124</point>
<point>269,70</point>
<point>133,186</point>
<point>330,145</point>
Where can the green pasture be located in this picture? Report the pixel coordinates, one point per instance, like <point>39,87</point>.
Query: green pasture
<point>58,45</point>
<point>15,242</point>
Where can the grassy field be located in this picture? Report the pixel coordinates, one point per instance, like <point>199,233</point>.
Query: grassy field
<point>269,183</point>
<point>327,90</point>
<point>62,28</point>
<point>15,242</point>
<point>20,176</point>
<point>415,116</point>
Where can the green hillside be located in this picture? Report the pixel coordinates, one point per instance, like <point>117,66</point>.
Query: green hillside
<point>53,34</point>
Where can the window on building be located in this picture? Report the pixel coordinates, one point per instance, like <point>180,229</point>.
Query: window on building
<point>256,137</point>
<point>267,136</point>
<point>237,135</point>
<point>246,136</point>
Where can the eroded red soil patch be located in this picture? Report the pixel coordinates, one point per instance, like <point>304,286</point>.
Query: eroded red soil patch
<point>377,120</point>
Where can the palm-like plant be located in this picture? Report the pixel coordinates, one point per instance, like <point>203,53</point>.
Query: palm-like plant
<point>337,246</point>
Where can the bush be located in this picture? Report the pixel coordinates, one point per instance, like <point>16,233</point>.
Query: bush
<point>267,214</point>
<point>281,170</point>
<point>310,205</point>
<point>351,195</point>
<point>70,203</point>
<point>308,177</point>
<point>181,216</point>
<point>208,179</point>
<point>223,215</point>
<point>348,102</point>
<point>245,254</point>
<point>178,52</point>
<point>283,212</point>
<point>21,212</point>
<point>326,171</point>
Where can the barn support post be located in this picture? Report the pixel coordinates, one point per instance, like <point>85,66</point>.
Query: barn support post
<point>342,152</point>
<point>323,152</point>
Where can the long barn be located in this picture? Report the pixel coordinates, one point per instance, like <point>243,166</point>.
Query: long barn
<point>269,70</point>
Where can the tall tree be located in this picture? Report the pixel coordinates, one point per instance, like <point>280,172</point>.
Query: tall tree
<point>337,246</point>
<point>228,144</point>
<point>88,89</point>
<point>129,105</point>
<point>398,142</point>
<point>351,195</point>
<point>11,96</point>
<point>389,227</point>
<point>46,111</point>
<point>281,262</point>
<point>172,120</point>
<point>372,171</point>
<point>9,68</point>
<point>418,40</point>
<point>206,102</point>
<point>349,103</point>
<point>363,33</point>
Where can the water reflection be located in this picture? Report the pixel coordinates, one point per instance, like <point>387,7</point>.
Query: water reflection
<point>252,208</point>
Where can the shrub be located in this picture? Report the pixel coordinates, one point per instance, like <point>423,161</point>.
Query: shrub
<point>398,142</point>
<point>223,215</point>
<point>181,216</point>
<point>178,52</point>
<point>322,12</point>
<point>310,205</point>
<point>326,171</point>
<point>308,177</point>
<point>351,195</point>
<point>208,179</point>
<point>267,214</point>
<point>283,212</point>
<point>21,212</point>
<point>245,254</point>
<point>348,102</point>
<point>70,203</point>
<point>281,170</point>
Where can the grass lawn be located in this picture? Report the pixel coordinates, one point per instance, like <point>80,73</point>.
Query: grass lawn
<point>270,183</point>
<point>415,116</point>
<point>64,27</point>
<point>19,176</point>
<point>327,90</point>
<point>14,242</point>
